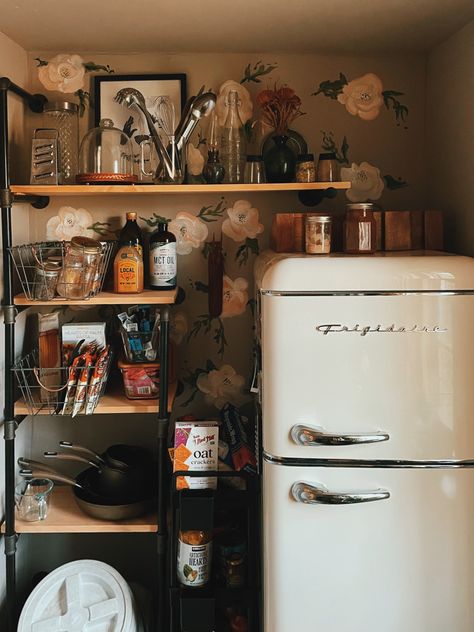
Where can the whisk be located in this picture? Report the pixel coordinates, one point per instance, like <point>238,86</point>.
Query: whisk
<point>166,116</point>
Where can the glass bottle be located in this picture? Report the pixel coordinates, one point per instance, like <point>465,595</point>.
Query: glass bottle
<point>64,117</point>
<point>128,265</point>
<point>163,259</point>
<point>214,171</point>
<point>233,143</point>
<point>131,235</point>
<point>194,558</point>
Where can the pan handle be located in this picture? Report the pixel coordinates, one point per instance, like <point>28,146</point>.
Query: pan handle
<point>31,464</point>
<point>55,476</point>
<point>81,448</point>
<point>66,456</point>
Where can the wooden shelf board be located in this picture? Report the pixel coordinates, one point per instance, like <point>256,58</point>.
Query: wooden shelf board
<point>113,404</point>
<point>65,517</point>
<point>154,189</point>
<point>148,297</point>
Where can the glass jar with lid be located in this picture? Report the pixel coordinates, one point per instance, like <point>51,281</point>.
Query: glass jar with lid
<point>305,169</point>
<point>46,280</point>
<point>106,156</point>
<point>327,167</point>
<point>78,278</point>
<point>360,229</point>
<point>318,234</point>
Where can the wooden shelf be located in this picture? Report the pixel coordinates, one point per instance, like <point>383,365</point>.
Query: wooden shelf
<point>113,404</point>
<point>149,297</point>
<point>154,189</point>
<point>65,517</point>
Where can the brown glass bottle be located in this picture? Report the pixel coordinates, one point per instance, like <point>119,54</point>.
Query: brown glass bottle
<point>163,259</point>
<point>131,235</point>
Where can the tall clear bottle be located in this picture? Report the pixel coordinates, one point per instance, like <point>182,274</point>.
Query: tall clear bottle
<point>233,145</point>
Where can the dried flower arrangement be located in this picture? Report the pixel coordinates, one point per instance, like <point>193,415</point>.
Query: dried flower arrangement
<point>279,107</point>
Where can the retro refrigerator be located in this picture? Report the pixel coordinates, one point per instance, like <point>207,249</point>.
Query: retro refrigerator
<point>367,400</point>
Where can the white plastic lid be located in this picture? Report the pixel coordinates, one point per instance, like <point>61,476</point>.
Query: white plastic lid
<point>80,596</point>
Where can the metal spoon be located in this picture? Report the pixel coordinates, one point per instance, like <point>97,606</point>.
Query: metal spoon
<point>202,106</point>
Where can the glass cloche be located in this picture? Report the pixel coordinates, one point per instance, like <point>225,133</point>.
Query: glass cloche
<point>106,156</point>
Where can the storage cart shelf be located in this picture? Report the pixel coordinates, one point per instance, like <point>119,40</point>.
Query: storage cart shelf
<point>114,403</point>
<point>64,516</point>
<point>148,297</point>
<point>154,189</point>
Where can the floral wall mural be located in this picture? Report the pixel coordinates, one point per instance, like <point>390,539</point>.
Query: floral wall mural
<point>351,113</point>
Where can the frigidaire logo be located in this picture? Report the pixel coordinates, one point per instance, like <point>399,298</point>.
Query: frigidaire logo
<point>336,328</point>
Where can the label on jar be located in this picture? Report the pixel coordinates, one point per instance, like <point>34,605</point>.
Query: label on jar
<point>163,268</point>
<point>194,563</point>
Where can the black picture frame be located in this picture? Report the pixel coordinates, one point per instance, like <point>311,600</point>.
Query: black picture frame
<point>150,85</point>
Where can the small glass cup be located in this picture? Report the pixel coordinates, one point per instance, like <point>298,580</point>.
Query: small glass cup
<point>32,498</point>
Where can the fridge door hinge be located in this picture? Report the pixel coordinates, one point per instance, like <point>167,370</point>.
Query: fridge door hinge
<point>6,197</point>
<point>9,314</point>
<point>10,544</point>
<point>10,427</point>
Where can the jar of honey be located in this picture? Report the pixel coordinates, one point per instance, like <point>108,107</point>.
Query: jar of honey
<point>360,229</point>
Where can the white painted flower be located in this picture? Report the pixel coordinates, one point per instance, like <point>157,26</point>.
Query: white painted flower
<point>242,222</point>
<point>363,96</point>
<point>366,183</point>
<point>245,101</point>
<point>189,231</point>
<point>64,73</point>
<point>69,222</point>
<point>195,160</point>
<point>178,327</point>
<point>221,386</point>
<point>234,296</point>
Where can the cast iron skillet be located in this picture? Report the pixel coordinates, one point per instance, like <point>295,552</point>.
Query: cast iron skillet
<point>92,503</point>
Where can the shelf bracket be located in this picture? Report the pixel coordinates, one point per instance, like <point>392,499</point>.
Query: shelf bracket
<point>6,197</point>
<point>9,314</point>
<point>36,201</point>
<point>9,429</point>
<point>10,544</point>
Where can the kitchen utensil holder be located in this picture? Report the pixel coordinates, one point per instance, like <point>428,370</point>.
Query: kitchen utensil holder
<point>41,388</point>
<point>27,258</point>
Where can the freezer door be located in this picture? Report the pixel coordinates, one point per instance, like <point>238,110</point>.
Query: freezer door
<point>398,557</point>
<point>368,376</point>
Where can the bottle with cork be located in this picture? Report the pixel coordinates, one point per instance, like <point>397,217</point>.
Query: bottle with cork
<point>128,263</point>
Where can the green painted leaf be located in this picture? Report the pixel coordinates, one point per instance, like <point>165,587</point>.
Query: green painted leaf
<point>394,183</point>
<point>259,69</point>
<point>91,66</point>
<point>199,286</point>
<point>41,62</point>
<point>331,89</point>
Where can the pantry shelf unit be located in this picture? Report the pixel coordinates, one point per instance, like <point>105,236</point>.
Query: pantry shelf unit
<point>154,189</point>
<point>112,404</point>
<point>64,516</point>
<point>147,297</point>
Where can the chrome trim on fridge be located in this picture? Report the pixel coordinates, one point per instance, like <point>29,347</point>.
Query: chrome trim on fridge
<point>369,293</point>
<point>312,435</point>
<point>310,495</point>
<point>369,463</point>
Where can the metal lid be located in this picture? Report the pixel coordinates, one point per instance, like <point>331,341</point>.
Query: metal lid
<point>305,157</point>
<point>48,270</point>
<point>361,206</point>
<point>53,106</point>
<point>320,219</point>
<point>327,156</point>
<point>91,246</point>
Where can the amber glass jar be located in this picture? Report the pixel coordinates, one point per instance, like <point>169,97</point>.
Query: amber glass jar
<point>360,229</point>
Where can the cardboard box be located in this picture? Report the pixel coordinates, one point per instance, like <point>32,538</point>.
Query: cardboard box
<point>196,447</point>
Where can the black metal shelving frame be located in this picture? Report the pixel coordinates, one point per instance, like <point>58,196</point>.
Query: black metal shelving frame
<point>36,103</point>
<point>194,609</point>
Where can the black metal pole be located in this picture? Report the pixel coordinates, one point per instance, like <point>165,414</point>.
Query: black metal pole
<point>163,420</point>
<point>35,101</point>
<point>9,321</point>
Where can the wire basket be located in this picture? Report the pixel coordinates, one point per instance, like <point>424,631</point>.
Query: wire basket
<point>55,390</point>
<point>50,270</point>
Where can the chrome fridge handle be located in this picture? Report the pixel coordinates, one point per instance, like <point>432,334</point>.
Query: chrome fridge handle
<point>310,495</point>
<point>311,435</point>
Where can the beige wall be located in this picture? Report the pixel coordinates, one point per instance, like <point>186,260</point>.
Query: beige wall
<point>450,136</point>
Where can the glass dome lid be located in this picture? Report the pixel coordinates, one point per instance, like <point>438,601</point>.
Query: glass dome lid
<point>106,156</point>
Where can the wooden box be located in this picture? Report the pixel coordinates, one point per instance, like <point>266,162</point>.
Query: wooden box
<point>287,234</point>
<point>433,224</point>
<point>403,230</point>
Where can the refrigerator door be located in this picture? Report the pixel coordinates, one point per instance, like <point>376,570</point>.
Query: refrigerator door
<point>387,564</point>
<point>374,376</point>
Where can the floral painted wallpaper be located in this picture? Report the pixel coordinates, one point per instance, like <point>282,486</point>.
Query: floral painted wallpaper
<point>368,111</point>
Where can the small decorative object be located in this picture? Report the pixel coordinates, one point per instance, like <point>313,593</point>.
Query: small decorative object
<point>232,142</point>
<point>327,167</point>
<point>106,156</point>
<point>63,116</point>
<point>254,172</point>
<point>318,234</point>
<point>214,170</point>
<point>305,169</point>
<point>360,229</point>
<point>279,108</point>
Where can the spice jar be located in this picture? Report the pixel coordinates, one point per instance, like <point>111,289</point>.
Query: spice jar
<point>254,171</point>
<point>80,271</point>
<point>360,229</point>
<point>305,169</point>
<point>318,234</point>
<point>327,167</point>
<point>46,280</point>
<point>234,571</point>
<point>194,557</point>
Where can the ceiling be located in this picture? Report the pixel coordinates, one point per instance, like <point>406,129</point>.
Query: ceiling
<point>344,26</point>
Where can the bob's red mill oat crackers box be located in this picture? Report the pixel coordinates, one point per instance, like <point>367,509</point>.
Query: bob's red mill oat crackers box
<point>196,446</point>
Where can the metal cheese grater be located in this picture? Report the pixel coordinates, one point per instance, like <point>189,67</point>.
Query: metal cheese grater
<point>45,157</point>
